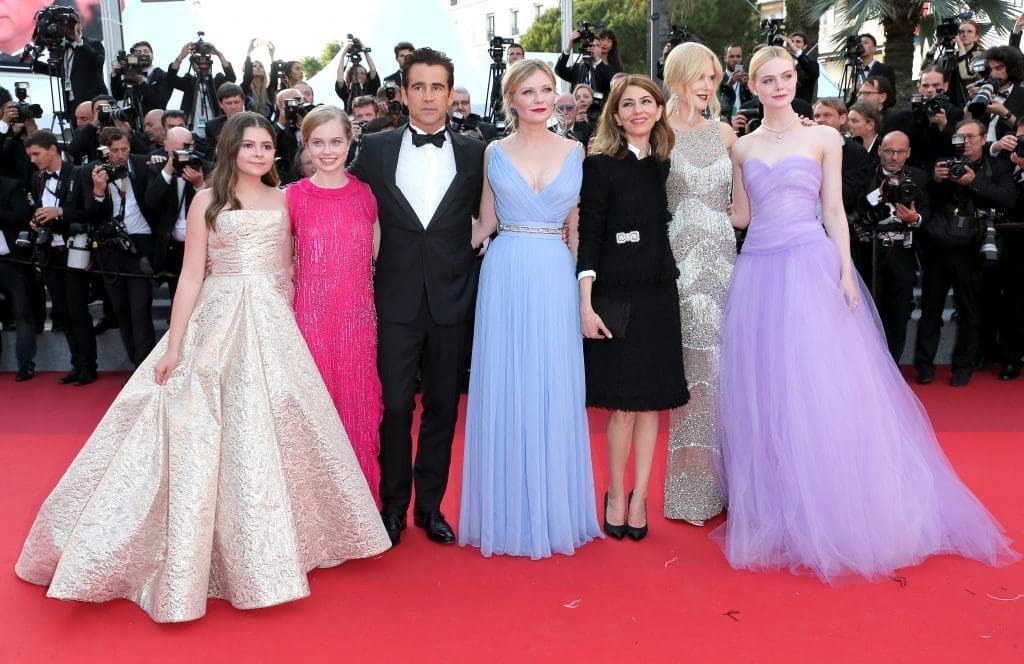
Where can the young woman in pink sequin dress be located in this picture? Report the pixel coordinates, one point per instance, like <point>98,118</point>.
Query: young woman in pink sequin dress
<point>334,219</point>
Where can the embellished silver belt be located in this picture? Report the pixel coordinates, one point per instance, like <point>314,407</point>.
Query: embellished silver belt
<point>515,228</point>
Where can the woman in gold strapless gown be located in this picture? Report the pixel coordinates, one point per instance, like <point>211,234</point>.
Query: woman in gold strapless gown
<point>230,475</point>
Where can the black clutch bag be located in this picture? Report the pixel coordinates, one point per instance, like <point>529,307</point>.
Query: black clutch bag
<point>614,313</point>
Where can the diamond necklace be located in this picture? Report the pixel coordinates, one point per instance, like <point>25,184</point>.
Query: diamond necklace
<point>779,132</point>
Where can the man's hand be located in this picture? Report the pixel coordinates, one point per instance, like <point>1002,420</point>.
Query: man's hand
<point>45,215</point>
<point>193,177</point>
<point>940,120</point>
<point>1008,143</point>
<point>967,178</point>
<point>137,79</point>
<point>100,180</point>
<point>908,215</point>
<point>168,167</point>
<point>739,123</point>
<point>738,77</point>
<point>9,113</point>
<point>941,172</point>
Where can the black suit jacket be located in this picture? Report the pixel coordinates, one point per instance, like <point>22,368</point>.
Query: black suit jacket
<point>857,167</point>
<point>287,147</point>
<point>437,260</point>
<point>807,71</point>
<point>992,188</point>
<point>162,198</point>
<point>139,179</point>
<point>72,186</point>
<point>86,72</point>
<point>882,69</point>
<point>14,209</point>
<point>601,79</point>
<point>927,142</point>
<point>1014,104</point>
<point>188,85</point>
<point>727,96</point>
<point>155,92</point>
<point>213,129</point>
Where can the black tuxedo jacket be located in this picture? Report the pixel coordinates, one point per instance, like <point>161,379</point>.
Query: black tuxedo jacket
<point>727,95</point>
<point>154,93</point>
<point>438,259</point>
<point>139,179</point>
<point>287,147</point>
<point>86,72</point>
<point>927,142</point>
<point>213,129</point>
<point>188,85</point>
<point>162,199</point>
<point>857,167</point>
<point>71,188</point>
<point>14,209</point>
<point>1014,104</point>
<point>601,79</point>
<point>807,71</point>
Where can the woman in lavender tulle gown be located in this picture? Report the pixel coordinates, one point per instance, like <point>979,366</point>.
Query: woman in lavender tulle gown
<point>527,482</point>
<point>831,463</point>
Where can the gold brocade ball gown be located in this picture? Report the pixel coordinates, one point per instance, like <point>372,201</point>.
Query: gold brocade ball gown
<point>232,480</point>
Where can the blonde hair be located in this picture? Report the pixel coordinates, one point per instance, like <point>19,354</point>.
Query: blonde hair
<point>611,137</point>
<point>767,54</point>
<point>514,78</point>
<point>684,65</point>
<point>321,115</point>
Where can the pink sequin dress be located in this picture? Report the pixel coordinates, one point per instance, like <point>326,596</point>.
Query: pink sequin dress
<point>334,305</point>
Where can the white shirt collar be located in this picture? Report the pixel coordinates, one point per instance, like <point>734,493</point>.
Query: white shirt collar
<point>636,151</point>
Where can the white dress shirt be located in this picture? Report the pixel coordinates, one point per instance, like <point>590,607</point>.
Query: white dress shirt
<point>134,222</point>
<point>49,199</point>
<point>424,174</point>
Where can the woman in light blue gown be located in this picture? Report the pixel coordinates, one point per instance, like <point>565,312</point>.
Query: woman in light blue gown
<point>528,486</point>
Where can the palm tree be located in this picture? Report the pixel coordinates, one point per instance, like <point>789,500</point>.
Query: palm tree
<point>901,20</point>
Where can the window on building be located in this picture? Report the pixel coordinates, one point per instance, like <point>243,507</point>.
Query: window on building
<point>453,2</point>
<point>537,9</point>
<point>515,22</point>
<point>490,26</point>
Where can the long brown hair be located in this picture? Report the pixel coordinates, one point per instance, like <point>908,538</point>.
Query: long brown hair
<point>611,138</point>
<point>224,177</point>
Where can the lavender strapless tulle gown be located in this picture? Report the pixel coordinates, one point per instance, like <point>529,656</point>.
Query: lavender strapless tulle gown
<point>831,463</point>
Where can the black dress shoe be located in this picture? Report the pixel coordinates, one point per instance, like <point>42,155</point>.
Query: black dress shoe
<point>69,378</point>
<point>437,528</point>
<point>961,377</point>
<point>104,325</point>
<point>636,534</point>
<point>86,376</point>
<point>26,372</point>
<point>925,374</point>
<point>394,524</point>
<point>1011,371</point>
<point>619,531</point>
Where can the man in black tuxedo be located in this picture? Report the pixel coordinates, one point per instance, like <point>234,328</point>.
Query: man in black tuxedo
<point>870,66</point>
<point>14,278</point>
<point>807,68</point>
<point>118,208</point>
<point>169,191</point>
<point>930,127</point>
<point>402,49</point>
<point>289,137</point>
<point>199,89</point>
<point>733,91</point>
<point>231,100</point>
<point>56,190</point>
<point>896,267</point>
<point>151,88</point>
<point>600,74</point>
<point>427,182</point>
<point>83,68</point>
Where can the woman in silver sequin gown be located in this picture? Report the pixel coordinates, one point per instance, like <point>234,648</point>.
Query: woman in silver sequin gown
<point>704,246</point>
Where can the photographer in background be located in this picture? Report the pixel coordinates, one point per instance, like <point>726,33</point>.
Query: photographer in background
<point>896,197</point>
<point>966,48</point>
<point>566,113</point>
<point>998,99</point>
<point>170,188</point>
<point>402,49</point>
<point>15,126</point>
<point>364,111</point>
<point>289,137</point>
<point>871,67</point>
<point>733,91</point>
<point>966,188</point>
<point>285,74</point>
<point>231,100</point>
<point>857,164</point>
<point>57,189</point>
<point>83,61</point>
<point>515,53</point>
<point>462,119</point>
<point>123,234</point>
<point>199,86</point>
<point>84,146</point>
<point>150,88</point>
<point>807,69</point>
<point>1010,275</point>
<point>930,121</point>
<point>353,78</point>
<point>589,68</point>
<point>15,279</point>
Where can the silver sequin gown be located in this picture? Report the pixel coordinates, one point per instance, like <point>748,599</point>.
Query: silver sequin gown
<point>232,480</point>
<point>704,246</point>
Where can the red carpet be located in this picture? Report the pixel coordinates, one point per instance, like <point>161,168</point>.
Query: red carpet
<point>669,598</point>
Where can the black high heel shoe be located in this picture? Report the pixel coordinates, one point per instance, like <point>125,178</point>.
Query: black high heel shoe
<point>618,532</point>
<point>636,534</point>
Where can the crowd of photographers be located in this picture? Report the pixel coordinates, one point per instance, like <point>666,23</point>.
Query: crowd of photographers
<point>931,187</point>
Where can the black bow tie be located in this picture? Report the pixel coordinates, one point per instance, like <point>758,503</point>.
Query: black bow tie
<point>55,176</point>
<point>419,140</point>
